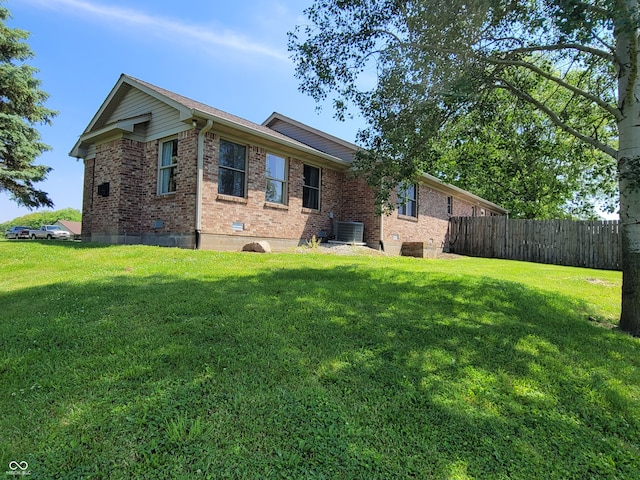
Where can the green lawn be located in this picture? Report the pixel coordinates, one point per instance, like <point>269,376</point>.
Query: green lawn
<point>144,362</point>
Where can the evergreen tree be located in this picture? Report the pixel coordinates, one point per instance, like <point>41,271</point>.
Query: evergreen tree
<point>21,108</point>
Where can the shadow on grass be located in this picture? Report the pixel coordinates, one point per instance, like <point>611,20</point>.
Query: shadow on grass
<point>321,373</point>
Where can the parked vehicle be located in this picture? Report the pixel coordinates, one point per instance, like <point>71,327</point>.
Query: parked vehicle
<point>18,232</point>
<point>49,232</point>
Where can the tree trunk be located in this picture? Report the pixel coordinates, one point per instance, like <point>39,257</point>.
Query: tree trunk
<point>627,49</point>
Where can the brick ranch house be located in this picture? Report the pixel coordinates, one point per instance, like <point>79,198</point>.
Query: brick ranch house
<point>162,169</point>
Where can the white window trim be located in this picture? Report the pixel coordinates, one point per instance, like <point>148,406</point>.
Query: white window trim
<point>402,205</point>
<point>161,167</point>
<point>284,181</point>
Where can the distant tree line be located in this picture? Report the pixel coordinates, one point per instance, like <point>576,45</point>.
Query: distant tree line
<point>34,220</point>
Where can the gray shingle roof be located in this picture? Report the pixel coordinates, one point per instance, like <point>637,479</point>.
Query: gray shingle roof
<point>220,114</point>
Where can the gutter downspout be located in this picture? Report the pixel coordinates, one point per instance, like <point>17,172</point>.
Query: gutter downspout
<point>200,179</point>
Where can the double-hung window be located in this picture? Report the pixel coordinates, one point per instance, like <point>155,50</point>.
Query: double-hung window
<point>232,169</point>
<point>276,173</point>
<point>407,199</point>
<point>168,166</point>
<point>311,188</point>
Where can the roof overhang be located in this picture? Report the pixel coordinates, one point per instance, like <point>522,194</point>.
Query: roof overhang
<point>447,188</point>
<point>275,116</point>
<point>278,139</point>
<point>126,125</point>
<point>189,112</point>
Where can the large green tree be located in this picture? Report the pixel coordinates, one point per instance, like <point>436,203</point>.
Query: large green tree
<point>21,109</point>
<point>410,65</point>
<point>507,151</point>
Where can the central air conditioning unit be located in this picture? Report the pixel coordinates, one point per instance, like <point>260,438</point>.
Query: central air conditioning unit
<point>349,232</point>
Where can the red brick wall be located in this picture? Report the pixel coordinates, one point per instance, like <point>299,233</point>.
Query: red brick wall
<point>133,205</point>
<point>87,198</point>
<point>176,211</point>
<point>262,219</point>
<point>134,208</point>
<point>432,222</point>
<point>131,189</point>
<point>359,206</point>
<point>105,215</point>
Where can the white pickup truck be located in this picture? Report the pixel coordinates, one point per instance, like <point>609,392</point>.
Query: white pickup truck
<point>49,232</point>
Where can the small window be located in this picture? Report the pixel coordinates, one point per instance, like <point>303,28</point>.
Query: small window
<point>232,169</point>
<point>168,166</point>
<point>407,200</point>
<point>311,188</point>
<point>449,205</point>
<point>276,173</point>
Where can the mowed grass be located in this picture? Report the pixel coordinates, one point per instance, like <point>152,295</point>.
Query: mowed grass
<point>144,362</point>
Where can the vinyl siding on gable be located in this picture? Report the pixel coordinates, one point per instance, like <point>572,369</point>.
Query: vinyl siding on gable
<point>165,120</point>
<point>313,140</point>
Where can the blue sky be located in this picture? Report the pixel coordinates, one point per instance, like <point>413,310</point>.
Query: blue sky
<point>230,55</point>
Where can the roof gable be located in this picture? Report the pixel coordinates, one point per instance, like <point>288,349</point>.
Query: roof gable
<point>189,110</point>
<point>125,85</point>
<point>73,227</point>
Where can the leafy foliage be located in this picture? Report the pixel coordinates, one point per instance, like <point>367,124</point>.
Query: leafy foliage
<point>36,219</point>
<point>437,62</point>
<point>507,151</point>
<point>21,108</point>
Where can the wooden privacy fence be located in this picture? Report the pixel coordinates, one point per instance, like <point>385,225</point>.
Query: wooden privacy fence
<point>590,244</point>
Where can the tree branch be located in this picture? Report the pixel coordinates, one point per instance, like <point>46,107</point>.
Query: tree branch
<point>610,57</point>
<point>599,10</point>
<point>556,119</point>
<point>608,45</point>
<point>615,112</point>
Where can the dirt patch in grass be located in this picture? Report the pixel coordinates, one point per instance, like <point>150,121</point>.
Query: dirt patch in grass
<point>597,281</point>
<point>341,250</point>
<point>603,322</point>
<point>358,250</point>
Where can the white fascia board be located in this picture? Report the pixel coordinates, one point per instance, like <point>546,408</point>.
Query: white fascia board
<point>126,125</point>
<point>105,104</point>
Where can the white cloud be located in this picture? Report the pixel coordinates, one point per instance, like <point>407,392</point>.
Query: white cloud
<point>169,27</point>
